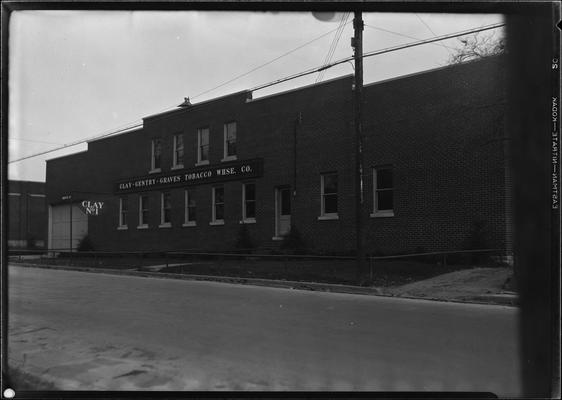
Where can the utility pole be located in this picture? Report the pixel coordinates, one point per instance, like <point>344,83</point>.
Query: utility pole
<point>357,44</point>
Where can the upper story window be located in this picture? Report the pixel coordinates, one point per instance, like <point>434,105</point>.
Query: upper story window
<point>143,212</point>
<point>229,141</point>
<point>190,209</point>
<point>249,202</point>
<point>383,192</point>
<point>165,210</point>
<point>123,210</point>
<point>218,206</point>
<point>329,196</point>
<point>156,158</point>
<point>178,151</point>
<point>202,146</point>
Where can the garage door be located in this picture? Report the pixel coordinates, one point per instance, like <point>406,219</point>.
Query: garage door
<point>59,226</point>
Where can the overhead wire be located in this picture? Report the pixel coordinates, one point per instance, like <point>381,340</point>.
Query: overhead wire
<point>252,70</point>
<point>135,124</point>
<point>76,143</point>
<point>33,141</point>
<point>294,76</point>
<point>404,35</point>
<point>431,30</point>
<point>334,44</point>
<point>267,63</point>
<point>378,52</point>
<point>334,39</point>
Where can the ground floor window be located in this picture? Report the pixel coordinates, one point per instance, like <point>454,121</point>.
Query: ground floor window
<point>123,210</point>
<point>190,209</point>
<point>143,211</point>
<point>383,192</point>
<point>165,210</point>
<point>329,196</point>
<point>249,202</point>
<point>218,206</point>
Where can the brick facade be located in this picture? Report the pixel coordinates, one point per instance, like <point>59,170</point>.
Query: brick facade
<point>441,131</point>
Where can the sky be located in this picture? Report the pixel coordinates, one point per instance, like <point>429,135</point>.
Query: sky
<point>75,75</point>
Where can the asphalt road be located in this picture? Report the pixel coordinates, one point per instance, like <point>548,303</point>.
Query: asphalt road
<point>91,331</point>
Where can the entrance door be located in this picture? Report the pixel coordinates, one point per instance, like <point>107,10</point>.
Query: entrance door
<point>282,211</point>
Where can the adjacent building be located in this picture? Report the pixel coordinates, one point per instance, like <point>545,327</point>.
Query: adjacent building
<point>435,170</point>
<point>27,215</point>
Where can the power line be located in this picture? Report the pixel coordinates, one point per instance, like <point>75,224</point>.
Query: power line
<point>73,144</point>
<point>174,106</point>
<point>294,76</point>
<point>327,58</point>
<point>254,69</point>
<point>32,141</point>
<point>333,45</point>
<point>431,30</point>
<point>436,39</point>
<point>404,35</point>
<point>267,63</point>
<point>378,52</point>
<point>426,25</point>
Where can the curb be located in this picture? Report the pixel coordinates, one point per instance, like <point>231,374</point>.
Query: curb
<point>487,299</point>
<point>224,279</point>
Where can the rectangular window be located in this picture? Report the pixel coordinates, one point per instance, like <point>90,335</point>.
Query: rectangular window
<point>178,151</point>
<point>203,146</point>
<point>329,196</point>
<point>165,210</point>
<point>143,212</point>
<point>189,218</point>
<point>123,209</point>
<point>230,141</point>
<point>218,206</point>
<point>249,202</point>
<point>383,192</point>
<point>156,155</point>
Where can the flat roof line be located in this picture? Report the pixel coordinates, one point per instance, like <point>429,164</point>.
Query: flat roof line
<point>24,180</point>
<point>178,108</point>
<point>67,155</point>
<point>299,88</point>
<point>427,71</point>
<point>117,134</point>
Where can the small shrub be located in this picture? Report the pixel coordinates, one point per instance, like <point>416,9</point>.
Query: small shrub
<point>478,238</point>
<point>456,259</point>
<point>30,241</point>
<point>376,253</point>
<point>243,240</point>
<point>293,242</point>
<point>85,244</point>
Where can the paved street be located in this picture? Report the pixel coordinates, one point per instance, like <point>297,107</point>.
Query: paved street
<point>97,331</point>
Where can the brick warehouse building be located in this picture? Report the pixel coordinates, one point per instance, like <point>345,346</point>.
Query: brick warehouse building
<point>434,160</point>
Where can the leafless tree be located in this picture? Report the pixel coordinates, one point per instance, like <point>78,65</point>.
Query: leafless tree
<point>477,46</point>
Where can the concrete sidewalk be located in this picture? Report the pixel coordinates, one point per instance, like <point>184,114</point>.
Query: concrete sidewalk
<point>459,286</point>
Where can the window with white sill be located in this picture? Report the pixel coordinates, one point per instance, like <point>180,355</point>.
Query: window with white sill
<point>329,196</point>
<point>383,192</point>
<point>230,136</point>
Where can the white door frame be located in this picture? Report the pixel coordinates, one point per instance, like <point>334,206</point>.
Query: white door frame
<point>278,210</point>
